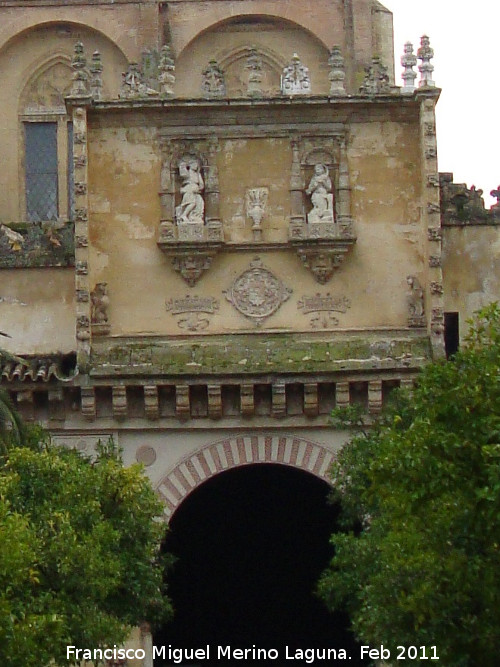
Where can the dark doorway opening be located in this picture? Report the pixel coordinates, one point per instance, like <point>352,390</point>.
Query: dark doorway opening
<point>451,334</point>
<point>251,544</point>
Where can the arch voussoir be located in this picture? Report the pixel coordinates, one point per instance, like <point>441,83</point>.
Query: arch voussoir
<point>238,451</point>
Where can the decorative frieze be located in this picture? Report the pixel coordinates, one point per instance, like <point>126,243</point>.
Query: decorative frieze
<point>322,308</point>
<point>257,293</point>
<point>194,310</point>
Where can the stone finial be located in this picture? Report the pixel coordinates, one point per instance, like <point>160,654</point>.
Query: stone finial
<point>96,76</point>
<point>409,61</point>
<point>337,72</point>
<point>376,80</point>
<point>254,67</point>
<point>79,87</point>
<point>425,54</point>
<point>166,72</point>
<point>213,82</point>
<point>295,79</point>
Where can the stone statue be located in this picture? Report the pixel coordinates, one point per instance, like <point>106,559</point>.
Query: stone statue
<point>100,302</point>
<point>416,311</point>
<point>192,206</point>
<point>320,189</point>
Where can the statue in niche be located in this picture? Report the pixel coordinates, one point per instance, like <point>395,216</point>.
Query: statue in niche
<point>100,302</point>
<point>320,190</point>
<point>416,309</point>
<point>192,206</point>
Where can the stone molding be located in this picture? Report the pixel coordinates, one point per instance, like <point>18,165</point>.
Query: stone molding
<point>238,451</point>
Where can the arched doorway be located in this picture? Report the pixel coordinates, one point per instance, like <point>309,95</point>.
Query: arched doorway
<point>251,543</point>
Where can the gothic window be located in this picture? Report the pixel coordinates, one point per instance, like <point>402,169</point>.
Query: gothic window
<point>47,145</point>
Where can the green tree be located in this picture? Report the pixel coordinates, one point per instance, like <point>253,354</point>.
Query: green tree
<point>422,486</point>
<point>79,552</point>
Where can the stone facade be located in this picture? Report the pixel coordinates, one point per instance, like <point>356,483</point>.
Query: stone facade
<point>244,227</point>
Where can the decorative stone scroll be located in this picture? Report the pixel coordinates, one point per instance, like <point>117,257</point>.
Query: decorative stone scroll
<point>257,293</point>
<point>99,312</point>
<point>295,79</point>
<point>416,311</point>
<point>193,308</point>
<point>322,308</point>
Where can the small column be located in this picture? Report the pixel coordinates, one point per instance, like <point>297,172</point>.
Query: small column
<point>344,190</point>
<point>212,195</point>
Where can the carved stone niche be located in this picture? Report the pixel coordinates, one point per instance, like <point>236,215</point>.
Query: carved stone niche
<point>321,228</point>
<point>190,229</point>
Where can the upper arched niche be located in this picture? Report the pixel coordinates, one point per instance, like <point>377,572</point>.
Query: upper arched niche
<point>37,63</point>
<point>229,43</point>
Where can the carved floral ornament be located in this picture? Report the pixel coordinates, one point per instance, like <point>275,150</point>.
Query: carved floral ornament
<point>257,293</point>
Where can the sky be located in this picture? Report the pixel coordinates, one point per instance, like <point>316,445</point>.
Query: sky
<point>466,43</point>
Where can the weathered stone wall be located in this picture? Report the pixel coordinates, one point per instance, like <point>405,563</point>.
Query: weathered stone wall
<point>471,269</point>
<point>124,173</point>
<point>37,310</point>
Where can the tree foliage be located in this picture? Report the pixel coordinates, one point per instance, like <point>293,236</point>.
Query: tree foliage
<point>424,485</point>
<point>79,552</point>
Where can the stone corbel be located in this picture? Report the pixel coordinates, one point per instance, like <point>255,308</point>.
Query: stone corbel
<point>322,255</point>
